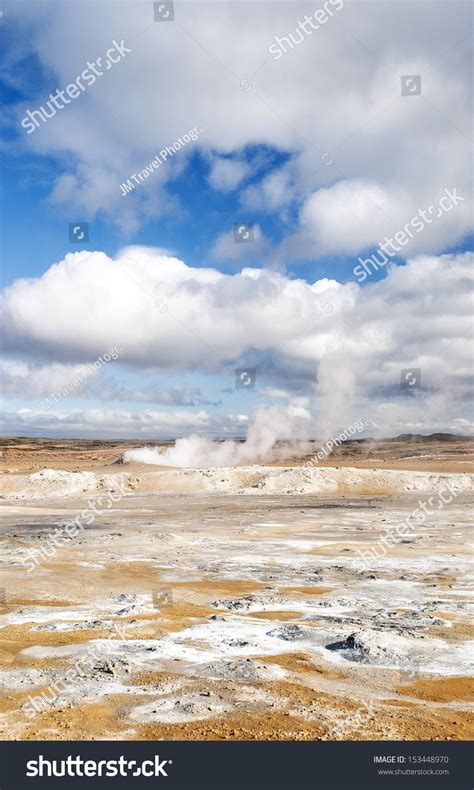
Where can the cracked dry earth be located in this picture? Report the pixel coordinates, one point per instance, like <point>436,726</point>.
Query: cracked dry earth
<point>214,616</point>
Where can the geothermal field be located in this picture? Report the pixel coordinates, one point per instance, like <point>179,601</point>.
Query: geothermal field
<point>277,599</point>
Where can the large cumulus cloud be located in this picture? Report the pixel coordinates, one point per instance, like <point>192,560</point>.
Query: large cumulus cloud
<point>347,342</point>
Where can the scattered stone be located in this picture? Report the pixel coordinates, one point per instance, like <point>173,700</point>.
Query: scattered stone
<point>290,633</point>
<point>370,647</point>
<point>238,603</point>
<point>116,667</point>
<point>236,642</point>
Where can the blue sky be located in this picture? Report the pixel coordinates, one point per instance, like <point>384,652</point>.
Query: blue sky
<point>190,234</point>
<point>324,156</point>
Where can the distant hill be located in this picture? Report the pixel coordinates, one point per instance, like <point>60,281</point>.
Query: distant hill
<point>432,437</point>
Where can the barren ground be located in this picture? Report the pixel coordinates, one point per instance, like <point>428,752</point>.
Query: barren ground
<point>228,603</point>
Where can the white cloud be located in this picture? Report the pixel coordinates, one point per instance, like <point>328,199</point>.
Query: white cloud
<point>226,248</point>
<point>418,316</point>
<point>116,423</point>
<point>226,174</point>
<point>408,148</point>
<point>27,380</point>
<point>112,390</point>
<point>352,216</point>
<point>275,191</point>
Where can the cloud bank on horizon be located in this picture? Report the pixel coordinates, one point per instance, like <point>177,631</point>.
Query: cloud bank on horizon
<point>319,150</point>
<point>340,360</point>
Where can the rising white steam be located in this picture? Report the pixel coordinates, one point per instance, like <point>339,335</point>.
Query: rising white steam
<point>267,428</point>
